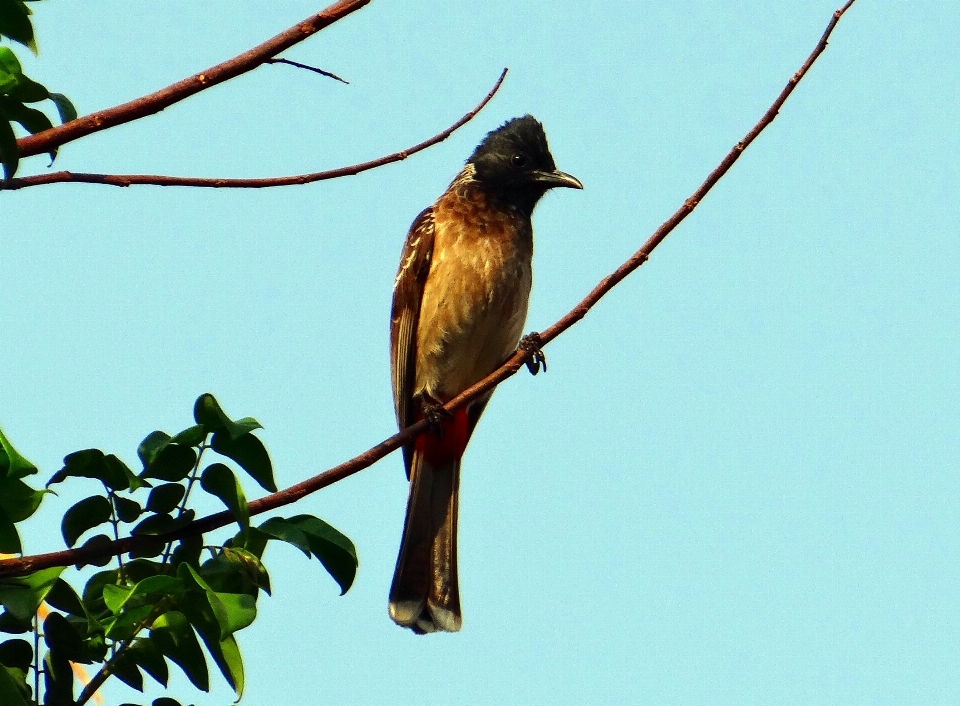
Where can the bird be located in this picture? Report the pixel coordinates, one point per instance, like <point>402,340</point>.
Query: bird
<point>459,306</point>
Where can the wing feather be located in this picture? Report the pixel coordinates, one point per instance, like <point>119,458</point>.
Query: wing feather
<point>405,316</point>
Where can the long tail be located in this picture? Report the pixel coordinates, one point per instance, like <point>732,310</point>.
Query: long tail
<point>425,595</point>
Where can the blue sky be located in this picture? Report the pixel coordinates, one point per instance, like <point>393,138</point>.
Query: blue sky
<point>737,483</point>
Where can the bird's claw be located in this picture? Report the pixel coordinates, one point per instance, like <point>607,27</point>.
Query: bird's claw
<point>434,414</point>
<point>532,344</point>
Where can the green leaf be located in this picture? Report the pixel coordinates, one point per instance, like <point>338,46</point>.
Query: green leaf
<point>165,701</point>
<point>141,569</point>
<point>63,597</point>
<point>279,528</point>
<point>118,598</point>
<point>93,591</point>
<point>128,623</point>
<point>93,463</point>
<point>152,445</point>
<point>18,500</point>
<point>174,637</point>
<point>160,584</point>
<point>225,653</point>
<point>146,655</point>
<point>227,656</point>
<point>98,541</point>
<point>66,108</point>
<point>29,91</point>
<point>250,565</point>
<point>253,540</point>
<point>87,463</point>
<point>192,436</point>
<point>220,481</point>
<point>16,653</point>
<point>127,510</point>
<point>9,63</point>
<point>172,463</point>
<point>127,671</point>
<point>188,551</point>
<point>314,536</point>
<point>115,596</point>
<point>233,611</point>
<point>60,635</point>
<point>9,152</point>
<point>15,23</point>
<point>8,81</point>
<point>95,643</point>
<point>123,477</point>
<point>10,694</point>
<point>148,549</point>
<point>12,464</point>
<point>9,537</point>
<point>84,515</point>
<point>165,498</point>
<point>190,577</point>
<point>334,549</point>
<point>207,411</point>
<point>32,120</point>
<point>58,680</point>
<point>13,625</point>
<point>24,594</point>
<point>162,523</point>
<point>250,453</point>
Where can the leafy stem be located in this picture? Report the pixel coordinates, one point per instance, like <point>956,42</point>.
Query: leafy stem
<point>36,657</point>
<point>107,669</point>
<point>181,508</point>
<point>192,479</point>
<point>115,523</point>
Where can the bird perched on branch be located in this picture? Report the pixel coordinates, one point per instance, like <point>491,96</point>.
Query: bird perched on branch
<point>459,306</point>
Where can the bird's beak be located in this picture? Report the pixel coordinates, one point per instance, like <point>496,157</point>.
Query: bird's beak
<point>556,178</point>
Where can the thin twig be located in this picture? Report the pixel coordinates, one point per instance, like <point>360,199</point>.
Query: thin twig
<point>17,567</point>
<point>107,669</point>
<point>182,507</point>
<point>49,140</point>
<point>307,67</point>
<point>216,183</point>
<point>115,521</point>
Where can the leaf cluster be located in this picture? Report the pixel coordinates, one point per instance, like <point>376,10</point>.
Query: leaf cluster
<point>179,602</point>
<point>17,90</point>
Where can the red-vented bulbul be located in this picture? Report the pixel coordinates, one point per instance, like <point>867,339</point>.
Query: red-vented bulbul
<point>459,305</point>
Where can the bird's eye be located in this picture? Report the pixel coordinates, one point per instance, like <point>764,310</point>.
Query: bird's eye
<point>519,159</point>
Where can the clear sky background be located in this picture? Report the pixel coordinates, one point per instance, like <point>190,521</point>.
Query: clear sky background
<point>737,483</point>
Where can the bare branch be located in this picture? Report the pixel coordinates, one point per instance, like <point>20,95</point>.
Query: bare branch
<point>218,183</point>
<point>49,140</point>
<point>17,567</point>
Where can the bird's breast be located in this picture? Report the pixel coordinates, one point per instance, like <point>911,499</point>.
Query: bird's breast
<point>476,293</point>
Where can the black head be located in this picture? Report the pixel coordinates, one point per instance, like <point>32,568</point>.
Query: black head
<point>514,162</point>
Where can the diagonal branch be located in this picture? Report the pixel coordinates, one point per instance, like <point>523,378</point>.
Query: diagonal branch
<point>17,567</point>
<point>49,140</point>
<point>217,183</point>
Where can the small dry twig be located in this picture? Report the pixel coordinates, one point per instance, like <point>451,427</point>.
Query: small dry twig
<point>307,67</point>
<point>50,140</point>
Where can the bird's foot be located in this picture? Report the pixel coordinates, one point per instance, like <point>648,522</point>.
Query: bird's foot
<point>434,413</point>
<point>532,344</point>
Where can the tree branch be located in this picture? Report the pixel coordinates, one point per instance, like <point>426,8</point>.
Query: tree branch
<point>49,140</point>
<point>17,567</point>
<point>217,183</point>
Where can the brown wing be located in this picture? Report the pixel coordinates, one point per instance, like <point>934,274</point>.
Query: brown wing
<point>405,315</point>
